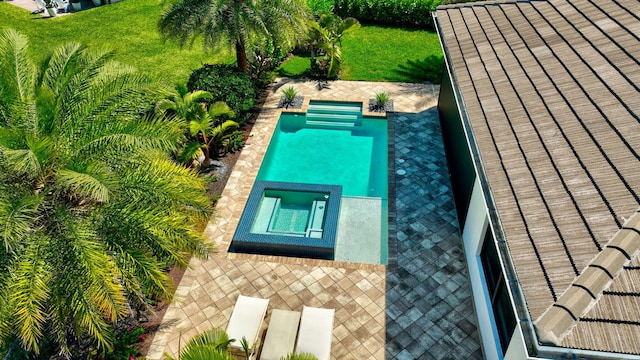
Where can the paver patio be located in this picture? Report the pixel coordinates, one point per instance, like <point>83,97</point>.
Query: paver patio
<point>360,293</point>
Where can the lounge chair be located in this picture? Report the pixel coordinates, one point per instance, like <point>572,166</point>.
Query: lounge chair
<point>316,332</point>
<point>281,334</point>
<point>246,321</point>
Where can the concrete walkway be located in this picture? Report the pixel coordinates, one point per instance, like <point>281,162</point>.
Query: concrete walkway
<point>397,312</point>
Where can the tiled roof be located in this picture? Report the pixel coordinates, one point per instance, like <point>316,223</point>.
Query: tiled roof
<point>552,92</point>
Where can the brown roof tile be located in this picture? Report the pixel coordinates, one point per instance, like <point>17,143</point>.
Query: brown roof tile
<point>551,92</point>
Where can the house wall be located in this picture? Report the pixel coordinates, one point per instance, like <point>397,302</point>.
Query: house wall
<point>472,235</point>
<point>455,144</point>
<point>473,216</point>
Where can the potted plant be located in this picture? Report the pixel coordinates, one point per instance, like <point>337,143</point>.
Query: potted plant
<point>52,8</point>
<point>381,103</point>
<point>290,98</point>
<point>77,6</point>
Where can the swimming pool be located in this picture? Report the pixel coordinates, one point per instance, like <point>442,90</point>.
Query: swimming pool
<point>334,145</point>
<point>355,158</point>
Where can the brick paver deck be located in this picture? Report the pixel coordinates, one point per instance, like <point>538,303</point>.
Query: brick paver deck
<point>365,296</point>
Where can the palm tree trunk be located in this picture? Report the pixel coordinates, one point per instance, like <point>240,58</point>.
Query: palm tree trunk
<point>207,156</point>
<point>241,56</point>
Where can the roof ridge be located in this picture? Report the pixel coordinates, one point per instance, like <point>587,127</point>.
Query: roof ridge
<point>585,291</point>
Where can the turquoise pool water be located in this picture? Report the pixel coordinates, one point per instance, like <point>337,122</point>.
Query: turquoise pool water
<point>354,157</point>
<point>333,144</point>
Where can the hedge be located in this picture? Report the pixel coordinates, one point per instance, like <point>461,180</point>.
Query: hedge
<point>226,83</point>
<point>404,13</point>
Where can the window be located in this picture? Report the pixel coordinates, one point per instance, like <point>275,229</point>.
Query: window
<point>498,291</point>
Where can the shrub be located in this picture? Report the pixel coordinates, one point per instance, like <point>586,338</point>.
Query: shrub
<point>320,6</point>
<point>407,13</point>
<point>226,83</point>
<point>262,60</point>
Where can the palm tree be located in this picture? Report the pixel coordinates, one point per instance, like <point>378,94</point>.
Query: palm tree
<point>92,210</point>
<point>208,131</point>
<point>213,345</point>
<point>235,22</point>
<point>210,345</point>
<point>199,121</point>
<point>326,34</point>
<point>183,104</point>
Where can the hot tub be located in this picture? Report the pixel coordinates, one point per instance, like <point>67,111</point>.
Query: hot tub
<point>289,219</point>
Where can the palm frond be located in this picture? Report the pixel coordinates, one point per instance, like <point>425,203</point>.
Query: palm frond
<point>103,291</point>
<point>220,108</point>
<point>22,161</point>
<point>206,353</point>
<point>215,337</point>
<point>16,70</point>
<point>17,218</point>
<point>29,291</point>
<point>299,356</point>
<point>223,128</point>
<point>190,151</point>
<point>83,185</point>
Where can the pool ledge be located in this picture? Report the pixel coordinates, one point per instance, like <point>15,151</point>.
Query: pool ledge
<point>364,105</point>
<point>245,241</point>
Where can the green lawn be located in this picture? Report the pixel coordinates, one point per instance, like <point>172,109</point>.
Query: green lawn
<point>371,53</point>
<point>127,27</point>
<point>374,53</point>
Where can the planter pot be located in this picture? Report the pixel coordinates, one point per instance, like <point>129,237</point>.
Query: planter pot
<point>97,2</point>
<point>52,12</point>
<point>76,6</point>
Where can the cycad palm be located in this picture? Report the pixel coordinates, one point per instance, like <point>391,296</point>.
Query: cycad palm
<point>235,22</point>
<point>91,209</point>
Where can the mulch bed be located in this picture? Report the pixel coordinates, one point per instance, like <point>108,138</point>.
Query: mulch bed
<point>222,169</point>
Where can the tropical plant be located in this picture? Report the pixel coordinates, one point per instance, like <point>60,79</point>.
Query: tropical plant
<point>262,60</point>
<point>208,131</point>
<point>209,345</point>
<point>289,95</point>
<point>319,7</point>
<point>299,356</point>
<point>92,209</point>
<point>240,23</point>
<point>326,35</point>
<point>381,100</point>
<point>183,104</point>
<point>214,345</point>
<point>235,141</point>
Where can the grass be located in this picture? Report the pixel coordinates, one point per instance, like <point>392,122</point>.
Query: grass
<point>371,53</point>
<point>128,28</point>
<point>375,53</point>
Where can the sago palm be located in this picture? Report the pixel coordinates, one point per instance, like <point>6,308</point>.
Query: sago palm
<point>208,131</point>
<point>92,210</point>
<point>237,23</point>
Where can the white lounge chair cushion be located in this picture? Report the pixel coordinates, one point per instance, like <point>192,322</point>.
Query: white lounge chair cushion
<point>316,332</point>
<point>246,319</point>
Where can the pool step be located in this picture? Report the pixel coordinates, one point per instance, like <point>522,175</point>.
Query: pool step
<point>333,120</point>
<point>334,109</point>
